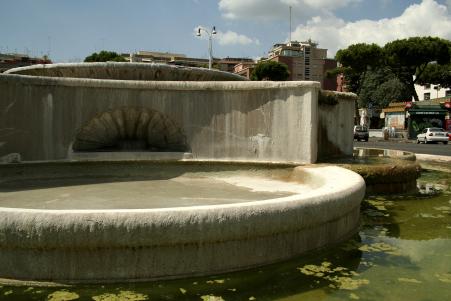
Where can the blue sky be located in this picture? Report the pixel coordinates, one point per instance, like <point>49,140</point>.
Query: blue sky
<point>72,29</point>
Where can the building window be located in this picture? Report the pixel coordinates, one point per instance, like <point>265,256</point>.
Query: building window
<point>427,96</point>
<point>448,93</point>
<point>427,86</point>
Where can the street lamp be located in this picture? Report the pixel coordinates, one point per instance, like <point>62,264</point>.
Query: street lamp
<point>210,37</point>
<point>437,88</point>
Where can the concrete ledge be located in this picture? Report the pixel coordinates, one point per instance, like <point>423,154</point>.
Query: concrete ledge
<point>154,85</point>
<point>437,158</point>
<point>114,245</point>
<point>126,71</point>
<point>129,156</point>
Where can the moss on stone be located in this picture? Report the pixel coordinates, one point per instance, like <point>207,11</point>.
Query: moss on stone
<point>399,171</point>
<point>332,98</point>
<point>398,176</point>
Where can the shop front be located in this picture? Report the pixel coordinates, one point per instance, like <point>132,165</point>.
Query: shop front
<point>423,115</point>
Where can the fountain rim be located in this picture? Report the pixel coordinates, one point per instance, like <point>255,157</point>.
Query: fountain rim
<point>158,85</point>
<point>126,65</point>
<point>162,226</point>
<point>353,179</point>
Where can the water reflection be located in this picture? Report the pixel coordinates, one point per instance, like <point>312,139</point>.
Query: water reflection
<point>387,153</point>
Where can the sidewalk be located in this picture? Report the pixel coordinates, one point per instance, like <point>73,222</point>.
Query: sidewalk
<point>425,157</point>
<point>398,140</point>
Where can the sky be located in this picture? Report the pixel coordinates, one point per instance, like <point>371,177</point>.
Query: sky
<point>70,30</point>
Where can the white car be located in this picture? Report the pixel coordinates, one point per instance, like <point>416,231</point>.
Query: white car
<point>433,135</point>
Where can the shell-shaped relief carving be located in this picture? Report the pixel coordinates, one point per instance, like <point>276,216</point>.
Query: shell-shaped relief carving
<point>130,128</point>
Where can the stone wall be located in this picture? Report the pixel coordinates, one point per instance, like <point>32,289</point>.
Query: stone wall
<point>335,124</point>
<point>259,121</point>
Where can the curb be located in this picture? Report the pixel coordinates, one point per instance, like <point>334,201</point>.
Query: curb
<point>437,158</point>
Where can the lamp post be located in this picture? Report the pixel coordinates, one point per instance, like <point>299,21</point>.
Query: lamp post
<point>437,88</point>
<point>210,47</point>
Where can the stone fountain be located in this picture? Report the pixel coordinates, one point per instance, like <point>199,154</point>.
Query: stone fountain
<point>133,172</point>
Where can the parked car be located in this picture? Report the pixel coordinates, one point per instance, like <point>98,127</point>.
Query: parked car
<point>361,133</point>
<point>433,135</point>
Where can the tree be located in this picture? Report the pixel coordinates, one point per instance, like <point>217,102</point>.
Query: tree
<point>104,56</point>
<point>436,74</point>
<point>356,61</point>
<point>409,58</point>
<point>270,70</point>
<point>381,87</point>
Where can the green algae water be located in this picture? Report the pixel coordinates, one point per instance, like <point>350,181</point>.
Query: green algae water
<point>402,252</point>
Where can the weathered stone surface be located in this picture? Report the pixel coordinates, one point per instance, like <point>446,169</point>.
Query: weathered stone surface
<point>335,124</point>
<point>146,127</point>
<point>241,120</point>
<point>127,71</point>
<point>164,243</point>
<point>90,106</point>
<point>10,158</point>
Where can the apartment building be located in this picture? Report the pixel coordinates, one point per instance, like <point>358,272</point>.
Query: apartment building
<point>429,92</point>
<point>305,61</point>
<point>13,60</point>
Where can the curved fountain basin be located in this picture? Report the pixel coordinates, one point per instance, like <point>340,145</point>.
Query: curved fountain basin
<point>126,71</point>
<point>385,171</point>
<point>270,214</point>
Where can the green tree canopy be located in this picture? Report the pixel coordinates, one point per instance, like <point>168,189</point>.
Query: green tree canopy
<point>104,56</point>
<point>409,58</point>
<point>270,70</point>
<point>436,74</point>
<point>414,60</point>
<point>381,87</point>
<point>360,57</point>
<point>356,61</point>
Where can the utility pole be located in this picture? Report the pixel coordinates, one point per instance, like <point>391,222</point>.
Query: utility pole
<point>290,24</point>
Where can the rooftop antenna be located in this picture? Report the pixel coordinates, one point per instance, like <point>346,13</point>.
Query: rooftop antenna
<point>290,24</point>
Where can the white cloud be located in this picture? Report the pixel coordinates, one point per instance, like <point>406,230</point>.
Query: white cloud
<point>228,37</point>
<point>425,19</point>
<point>326,4</point>
<point>278,9</point>
<point>233,38</point>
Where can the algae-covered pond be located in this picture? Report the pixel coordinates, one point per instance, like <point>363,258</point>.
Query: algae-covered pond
<point>402,252</point>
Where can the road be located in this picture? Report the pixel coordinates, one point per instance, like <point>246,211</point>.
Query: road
<point>411,146</point>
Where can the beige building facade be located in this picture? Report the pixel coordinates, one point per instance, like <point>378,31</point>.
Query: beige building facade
<point>304,59</point>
